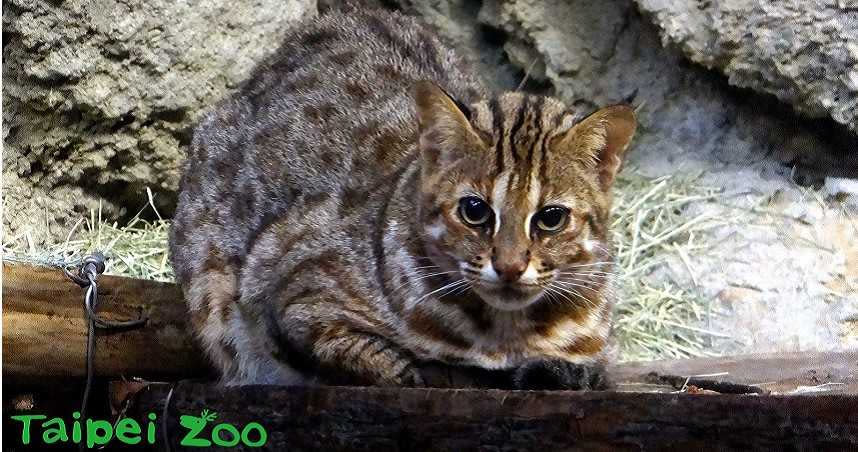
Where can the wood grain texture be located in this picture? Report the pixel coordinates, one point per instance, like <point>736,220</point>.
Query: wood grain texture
<point>340,418</point>
<point>775,372</point>
<point>44,333</point>
<point>44,327</point>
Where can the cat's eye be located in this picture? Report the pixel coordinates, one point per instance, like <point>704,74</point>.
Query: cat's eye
<point>474,211</point>
<point>551,218</point>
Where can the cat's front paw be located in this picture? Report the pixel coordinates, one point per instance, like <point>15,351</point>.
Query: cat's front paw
<point>409,376</point>
<point>557,374</point>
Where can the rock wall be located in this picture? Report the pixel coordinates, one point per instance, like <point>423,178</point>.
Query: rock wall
<point>805,52</point>
<point>99,97</point>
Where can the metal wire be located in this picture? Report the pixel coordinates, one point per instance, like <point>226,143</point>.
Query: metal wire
<point>87,277</point>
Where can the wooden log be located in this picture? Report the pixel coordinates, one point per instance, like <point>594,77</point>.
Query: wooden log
<point>44,328</point>
<point>44,337</point>
<point>44,334</point>
<point>341,418</point>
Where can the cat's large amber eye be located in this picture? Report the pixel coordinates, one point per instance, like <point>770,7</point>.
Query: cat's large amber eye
<point>551,218</point>
<point>474,211</point>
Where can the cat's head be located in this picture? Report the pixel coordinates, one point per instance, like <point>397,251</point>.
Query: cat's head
<point>516,193</point>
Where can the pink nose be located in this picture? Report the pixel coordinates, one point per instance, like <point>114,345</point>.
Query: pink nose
<point>509,271</point>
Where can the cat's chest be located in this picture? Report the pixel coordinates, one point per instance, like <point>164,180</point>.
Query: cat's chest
<point>505,340</point>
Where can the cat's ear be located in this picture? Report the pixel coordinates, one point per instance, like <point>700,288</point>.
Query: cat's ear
<point>436,108</point>
<point>601,139</point>
<point>443,122</point>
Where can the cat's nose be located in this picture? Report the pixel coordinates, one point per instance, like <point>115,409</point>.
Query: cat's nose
<point>509,272</point>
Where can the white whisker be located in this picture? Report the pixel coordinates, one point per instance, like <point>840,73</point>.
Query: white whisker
<point>452,284</point>
<point>584,271</point>
<point>574,282</point>
<point>453,291</point>
<point>592,264</point>
<point>411,280</point>
<point>575,292</point>
<point>562,292</point>
<point>577,280</point>
<point>462,289</point>
<point>587,274</point>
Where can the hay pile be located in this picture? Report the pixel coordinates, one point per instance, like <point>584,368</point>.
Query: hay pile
<point>654,319</point>
<point>137,249</point>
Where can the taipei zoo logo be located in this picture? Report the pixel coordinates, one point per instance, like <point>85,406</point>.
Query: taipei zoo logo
<point>200,431</point>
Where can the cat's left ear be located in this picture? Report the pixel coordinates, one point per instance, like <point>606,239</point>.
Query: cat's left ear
<point>442,121</point>
<point>602,139</point>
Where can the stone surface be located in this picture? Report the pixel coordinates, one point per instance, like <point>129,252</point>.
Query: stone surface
<point>99,97</point>
<point>805,52</point>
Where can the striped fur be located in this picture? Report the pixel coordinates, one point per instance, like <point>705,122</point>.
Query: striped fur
<point>318,237</point>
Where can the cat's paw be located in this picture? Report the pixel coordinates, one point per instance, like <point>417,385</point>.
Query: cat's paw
<point>409,376</point>
<point>557,374</point>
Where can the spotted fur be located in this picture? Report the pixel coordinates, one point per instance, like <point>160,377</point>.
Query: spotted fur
<point>318,234</point>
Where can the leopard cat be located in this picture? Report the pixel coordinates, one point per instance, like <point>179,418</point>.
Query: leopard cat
<point>361,206</point>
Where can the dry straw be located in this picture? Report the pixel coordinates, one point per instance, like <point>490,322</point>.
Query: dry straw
<point>137,249</point>
<point>656,318</point>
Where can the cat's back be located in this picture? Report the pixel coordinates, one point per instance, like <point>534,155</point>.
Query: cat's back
<point>331,105</point>
<point>334,103</point>
<point>328,114</point>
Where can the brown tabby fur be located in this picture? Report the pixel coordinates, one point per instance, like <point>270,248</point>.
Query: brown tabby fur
<point>317,234</point>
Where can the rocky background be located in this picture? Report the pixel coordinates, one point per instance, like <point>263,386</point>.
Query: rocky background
<point>758,98</point>
<point>100,97</point>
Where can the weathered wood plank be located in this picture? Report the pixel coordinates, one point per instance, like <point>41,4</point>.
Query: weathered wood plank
<point>775,372</point>
<point>339,418</point>
<point>44,327</point>
<point>44,334</point>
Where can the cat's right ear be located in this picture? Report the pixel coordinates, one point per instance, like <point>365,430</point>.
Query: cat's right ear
<point>445,131</point>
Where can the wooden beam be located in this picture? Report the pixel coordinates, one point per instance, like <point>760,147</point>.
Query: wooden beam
<point>341,418</point>
<point>775,372</point>
<point>44,334</point>
<point>44,328</point>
